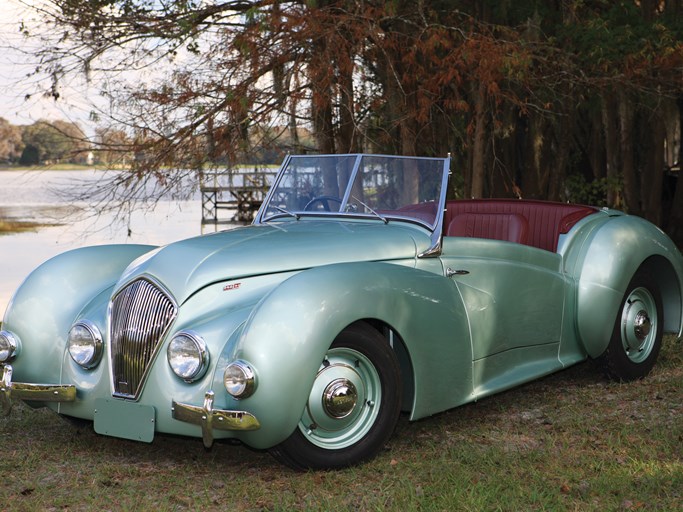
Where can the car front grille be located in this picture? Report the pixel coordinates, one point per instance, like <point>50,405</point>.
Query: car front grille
<point>140,315</point>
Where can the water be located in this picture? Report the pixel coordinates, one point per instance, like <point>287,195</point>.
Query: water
<point>48,197</point>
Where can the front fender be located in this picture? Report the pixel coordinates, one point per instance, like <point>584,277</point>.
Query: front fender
<point>291,329</point>
<point>47,302</point>
<point>612,256</point>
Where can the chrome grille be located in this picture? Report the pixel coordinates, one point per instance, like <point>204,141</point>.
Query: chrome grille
<point>140,315</point>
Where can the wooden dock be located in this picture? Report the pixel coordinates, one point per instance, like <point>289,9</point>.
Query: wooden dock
<point>238,192</point>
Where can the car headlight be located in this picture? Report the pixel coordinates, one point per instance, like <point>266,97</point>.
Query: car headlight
<point>85,344</point>
<point>9,346</point>
<point>239,379</point>
<point>188,356</point>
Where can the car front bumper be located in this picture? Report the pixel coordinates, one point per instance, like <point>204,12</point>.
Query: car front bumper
<point>205,416</point>
<point>10,391</point>
<point>209,418</point>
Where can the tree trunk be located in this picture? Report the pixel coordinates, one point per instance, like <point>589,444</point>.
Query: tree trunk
<point>557,166</point>
<point>675,222</point>
<point>347,139</point>
<point>612,149</point>
<point>479,144</point>
<point>652,173</point>
<point>627,152</point>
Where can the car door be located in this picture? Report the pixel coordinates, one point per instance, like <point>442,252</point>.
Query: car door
<point>514,296</point>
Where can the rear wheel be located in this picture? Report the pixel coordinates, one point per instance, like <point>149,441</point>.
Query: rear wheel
<point>637,334</point>
<point>353,405</point>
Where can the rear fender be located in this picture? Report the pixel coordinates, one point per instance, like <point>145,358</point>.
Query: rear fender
<point>291,329</point>
<point>47,302</point>
<point>612,256</point>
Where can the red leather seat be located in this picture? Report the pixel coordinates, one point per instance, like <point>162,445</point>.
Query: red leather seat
<point>546,220</point>
<point>510,227</point>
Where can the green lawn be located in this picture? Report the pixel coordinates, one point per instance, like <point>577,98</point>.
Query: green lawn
<point>572,441</point>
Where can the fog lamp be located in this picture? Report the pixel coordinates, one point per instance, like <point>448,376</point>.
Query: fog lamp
<point>239,379</point>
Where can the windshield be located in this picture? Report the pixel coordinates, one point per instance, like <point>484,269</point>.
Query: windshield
<point>384,187</point>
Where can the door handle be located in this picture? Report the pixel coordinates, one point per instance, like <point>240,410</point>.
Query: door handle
<point>450,272</point>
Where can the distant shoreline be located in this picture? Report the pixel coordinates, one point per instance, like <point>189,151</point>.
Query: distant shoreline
<point>8,227</point>
<point>53,167</point>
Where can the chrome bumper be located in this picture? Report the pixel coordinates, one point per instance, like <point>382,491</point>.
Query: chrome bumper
<point>39,392</point>
<point>209,418</point>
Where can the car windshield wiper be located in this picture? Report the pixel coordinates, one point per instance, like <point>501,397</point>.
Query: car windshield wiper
<point>384,219</point>
<point>295,215</point>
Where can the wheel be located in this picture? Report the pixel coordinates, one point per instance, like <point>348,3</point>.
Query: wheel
<point>637,335</point>
<point>324,202</point>
<point>353,405</point>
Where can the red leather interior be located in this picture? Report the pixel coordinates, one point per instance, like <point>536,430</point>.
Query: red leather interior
<point>511,227</point>
<point>546,220</point>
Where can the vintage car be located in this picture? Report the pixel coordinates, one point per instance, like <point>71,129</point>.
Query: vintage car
<point>358,292</point>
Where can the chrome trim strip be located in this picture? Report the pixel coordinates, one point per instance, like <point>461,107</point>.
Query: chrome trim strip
<point>349,185</point>
<point>258,218</point>
<point>209,418</point>
<point>437,235</point>
<point>433,251</point>
<point>23,391</point>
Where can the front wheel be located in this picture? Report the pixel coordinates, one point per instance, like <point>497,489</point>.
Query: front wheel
<point>353,405</point>
<point>637,334</point>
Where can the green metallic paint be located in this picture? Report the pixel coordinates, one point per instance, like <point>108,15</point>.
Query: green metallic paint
<point>50,299</point>
<point>299,319</point>
<point>138,426</point>
<point>608,260</point>
<point>278,295</point>
<point>515,298</point>
<point>283,246</point>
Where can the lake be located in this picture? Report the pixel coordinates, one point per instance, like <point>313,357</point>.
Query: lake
<point>51,197</point>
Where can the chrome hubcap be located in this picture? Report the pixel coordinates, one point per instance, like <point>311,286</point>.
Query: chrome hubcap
<point>344,400</point>
<point>642,325</point>
<point>639,324</point>
<point>340,398</point>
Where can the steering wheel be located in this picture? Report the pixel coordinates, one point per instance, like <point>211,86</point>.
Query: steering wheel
<point>324,201</point>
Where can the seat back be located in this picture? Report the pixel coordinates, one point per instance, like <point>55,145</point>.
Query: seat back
<point>510,227</point>
<point>546,220</point>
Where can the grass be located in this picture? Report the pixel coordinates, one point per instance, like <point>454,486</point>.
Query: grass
<point>16,226</point>
<point>571,441</point>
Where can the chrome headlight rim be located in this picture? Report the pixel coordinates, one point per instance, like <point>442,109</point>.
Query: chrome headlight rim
<point>239,379</point>
<point>10,346</point>
<point>95,356</point>
<point>202,356</point>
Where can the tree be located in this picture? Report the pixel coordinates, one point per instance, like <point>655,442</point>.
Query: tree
<point>50,142</point>
<point>10,141</point>
<point>563,100</point>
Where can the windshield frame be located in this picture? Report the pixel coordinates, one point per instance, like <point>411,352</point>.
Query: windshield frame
<point>343,212</point>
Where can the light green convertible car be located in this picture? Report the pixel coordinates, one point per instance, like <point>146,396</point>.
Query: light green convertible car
<point>358,292</point>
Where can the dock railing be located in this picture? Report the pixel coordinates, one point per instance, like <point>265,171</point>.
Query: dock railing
<point>239,192</point>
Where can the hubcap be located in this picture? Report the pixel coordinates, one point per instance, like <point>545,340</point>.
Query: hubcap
<point>340,398</point>
<point>642,325</point>
<point>639,324</point>
<point>344,401</point>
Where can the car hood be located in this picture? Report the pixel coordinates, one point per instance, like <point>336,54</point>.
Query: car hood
<point>188,265</point>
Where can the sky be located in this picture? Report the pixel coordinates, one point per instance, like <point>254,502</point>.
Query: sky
<point>16,63</point>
